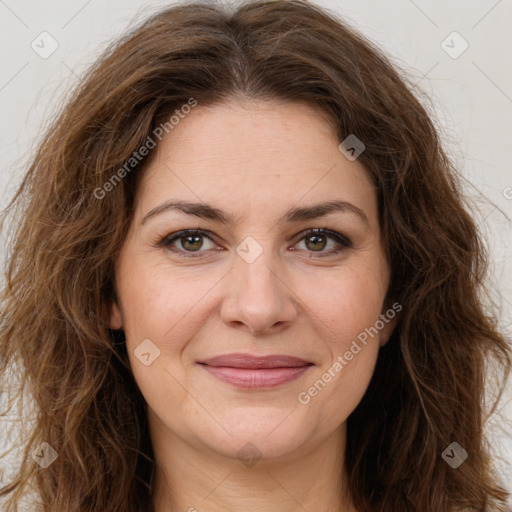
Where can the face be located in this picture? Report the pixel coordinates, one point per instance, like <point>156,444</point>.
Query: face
<point>250,279</point>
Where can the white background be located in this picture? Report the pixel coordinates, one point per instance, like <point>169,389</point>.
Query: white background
<point>471,96</point>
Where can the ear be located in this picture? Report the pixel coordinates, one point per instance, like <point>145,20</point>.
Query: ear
<point>387,331</point>
<point>115,319</point>
<point>390,319</point>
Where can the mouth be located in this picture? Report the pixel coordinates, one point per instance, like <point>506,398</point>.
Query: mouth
<point>256,372</point>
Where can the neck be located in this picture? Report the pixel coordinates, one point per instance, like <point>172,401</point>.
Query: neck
<point>194,478</point>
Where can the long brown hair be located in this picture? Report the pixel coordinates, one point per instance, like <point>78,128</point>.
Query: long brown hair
<point>428,389</point>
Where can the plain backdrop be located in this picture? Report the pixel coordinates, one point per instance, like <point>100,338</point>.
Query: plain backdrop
<point>457,53</point>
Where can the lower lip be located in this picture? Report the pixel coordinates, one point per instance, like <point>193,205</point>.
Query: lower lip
<point>256,379</point>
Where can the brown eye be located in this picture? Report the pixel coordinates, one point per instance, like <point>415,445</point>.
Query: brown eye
<point>315,242</point>
<point>185,243</point>
<point>191,242</point>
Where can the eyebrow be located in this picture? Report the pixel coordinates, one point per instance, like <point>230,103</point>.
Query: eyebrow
<point>205,211</point>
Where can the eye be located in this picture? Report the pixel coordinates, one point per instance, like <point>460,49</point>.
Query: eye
<point>188,241</point>
<point>316,240</point>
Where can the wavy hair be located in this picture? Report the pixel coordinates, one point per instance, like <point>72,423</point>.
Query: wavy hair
<point>428,388</point>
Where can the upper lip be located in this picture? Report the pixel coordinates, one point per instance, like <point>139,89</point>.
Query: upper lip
<point>255,362</point>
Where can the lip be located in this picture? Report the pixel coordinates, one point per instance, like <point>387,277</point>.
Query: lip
<point>256,372</point>
<point>249,361</point>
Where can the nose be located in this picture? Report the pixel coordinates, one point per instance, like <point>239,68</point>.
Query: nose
<point>258,299</point>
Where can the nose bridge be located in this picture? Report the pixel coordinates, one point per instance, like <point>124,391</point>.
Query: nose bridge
<point>255,276</point>
<point>257,297</point>
<point>254,261</point>
<point>258,276</point>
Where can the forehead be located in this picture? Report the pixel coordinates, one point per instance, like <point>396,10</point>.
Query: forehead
<point>267,155</point>
<point>236,132</point>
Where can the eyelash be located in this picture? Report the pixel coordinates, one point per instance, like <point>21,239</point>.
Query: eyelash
<point>344,242</point>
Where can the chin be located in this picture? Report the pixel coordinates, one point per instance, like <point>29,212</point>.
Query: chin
<point>265,438</point>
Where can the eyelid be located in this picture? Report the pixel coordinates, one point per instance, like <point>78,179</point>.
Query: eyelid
<point>341,239</point>
<point>167,240</point>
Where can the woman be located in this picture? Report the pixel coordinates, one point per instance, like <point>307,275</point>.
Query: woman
<point>245,277</point>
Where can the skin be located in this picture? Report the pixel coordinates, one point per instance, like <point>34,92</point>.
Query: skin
<point>253,159</point>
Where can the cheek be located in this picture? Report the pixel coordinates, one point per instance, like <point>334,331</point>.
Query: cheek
<point>158,301</point>
<point>346,308</point>
<point>346,315</point>
<point>158,306</point>
<point>347,303</point>
<point>166,307</point>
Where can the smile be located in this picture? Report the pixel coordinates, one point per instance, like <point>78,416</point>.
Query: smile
<point>251,378</point>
